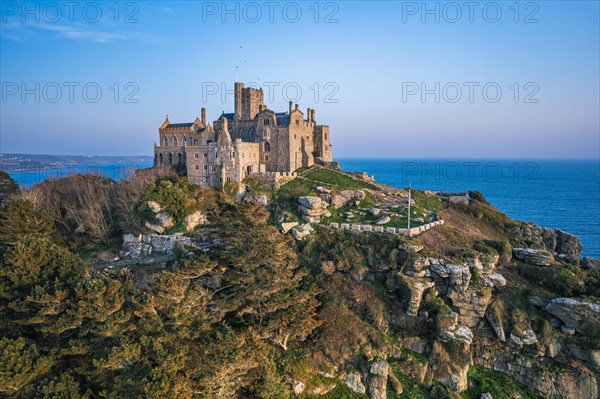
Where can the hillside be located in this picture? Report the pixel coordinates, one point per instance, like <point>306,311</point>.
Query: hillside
<point>157,288</point>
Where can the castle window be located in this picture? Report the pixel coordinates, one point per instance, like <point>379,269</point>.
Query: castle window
<point>233,155</point>
<point>266,122</point>
<point>205,167</point>
<point>195,142</point>
<point>196,155</point>
<point>267,147</point>
<point>214,168</point>
<point>197,167</point>
<point>216,154</point>
<point>294,137</point>
<point>266,158</point>
<point>206,155</point>
<point>297,121</point>
<point>228,179</point>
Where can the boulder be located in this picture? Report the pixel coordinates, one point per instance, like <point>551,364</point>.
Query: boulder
<point>165,220</point>
<point>493,317</point>
<point>582,315</point>
<point>154,206</point>
<point>191,221</point>
<point>383,220</point>
<point>410,247</point>
<point>259,199</point>
<point>379,376</point>
<point>354,382</point>
<point>155,227</point>
<point>538,257</point>
<point>323,190</point>
<point>590,263</point>
<point>285,227</point>
<point>298,387</point>
<point>494,280</point>
<point>310,202</point>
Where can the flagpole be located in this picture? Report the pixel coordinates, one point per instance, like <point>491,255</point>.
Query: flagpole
<point>409,206</point>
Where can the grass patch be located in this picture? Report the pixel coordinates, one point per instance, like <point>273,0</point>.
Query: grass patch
<point>334,178</point>
<point>499,385</point>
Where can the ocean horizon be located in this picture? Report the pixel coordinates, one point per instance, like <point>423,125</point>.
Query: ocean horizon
<point>561,194</point>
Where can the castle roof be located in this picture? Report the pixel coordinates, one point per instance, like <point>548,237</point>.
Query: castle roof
<point>283,118</point>
<point>176,125</point>
<point>229,116</point>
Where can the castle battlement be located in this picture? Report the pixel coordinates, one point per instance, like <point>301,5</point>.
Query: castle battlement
<point>251,140</point>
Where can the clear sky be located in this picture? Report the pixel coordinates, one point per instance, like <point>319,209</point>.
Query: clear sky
<point>512,80</point>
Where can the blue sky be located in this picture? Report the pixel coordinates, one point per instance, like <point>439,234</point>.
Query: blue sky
<point>362,65</point>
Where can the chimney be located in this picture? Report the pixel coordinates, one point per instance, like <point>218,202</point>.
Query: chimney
<point>203,116</point>
<point>308,114</point>
<point>312,116</point>
<point>238,89</point>
<point>290,107</point>
<point>296,106</point>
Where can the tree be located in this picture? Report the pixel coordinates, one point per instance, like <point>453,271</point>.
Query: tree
<point>8,187</point>
<point>21,219</point>
<point>265,290</point>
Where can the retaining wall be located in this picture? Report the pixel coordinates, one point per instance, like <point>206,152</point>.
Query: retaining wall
<point>390,230</point>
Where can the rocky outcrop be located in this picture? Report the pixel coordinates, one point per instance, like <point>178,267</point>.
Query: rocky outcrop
<point>538,257</point>
<point>343,197</point>
<point>191,221</point>
<point>140,246</point>
<point>414,287</point>
<point>313,208</point>
<point>256,198</point>
<point>449,363</point>
<point>164,220</point>
<point>583,316</point>
<point>590,263</point>
<point>285,227</point>
<point>301,232</point>
<point>379,376</point>
<point>354,381</point>
<point>565,245</point>
<point>539,375</point>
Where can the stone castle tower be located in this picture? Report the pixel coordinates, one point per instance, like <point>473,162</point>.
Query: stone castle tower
<point>251,140</point>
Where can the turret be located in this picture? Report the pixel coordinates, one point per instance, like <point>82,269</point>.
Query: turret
<point>224,136</point>
<point>238,89</point>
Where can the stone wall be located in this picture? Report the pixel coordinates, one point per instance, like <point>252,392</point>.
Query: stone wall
<point>414,231</point>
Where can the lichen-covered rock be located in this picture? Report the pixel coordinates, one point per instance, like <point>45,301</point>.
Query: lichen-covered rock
<point>457,276</point>
<point>191,221</point>
<point>259,199</point>
<point>471,304</point>
<point>575,382</point>
<point>410,247</point>
<point>582,315</point>
<point>414,287</point>
<point>449,364</point>
<point>538,257</point>
<point>556,241</point>
<point>310,202</point>
<point>379,376</point>
<point>354,382</point>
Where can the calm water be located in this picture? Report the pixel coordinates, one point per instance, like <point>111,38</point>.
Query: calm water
<point>558,194</point>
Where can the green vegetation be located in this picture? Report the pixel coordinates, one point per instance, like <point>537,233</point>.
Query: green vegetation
<point>338,179</point>
<point>483,380</point>
<point>257,311</point>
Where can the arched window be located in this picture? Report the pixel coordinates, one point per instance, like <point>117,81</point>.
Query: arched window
<point>267,147</point>
<point>170,159</point>
<point>160,159</point>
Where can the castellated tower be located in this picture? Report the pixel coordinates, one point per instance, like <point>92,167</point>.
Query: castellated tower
<point>251,140</point>
<point>247,102</point>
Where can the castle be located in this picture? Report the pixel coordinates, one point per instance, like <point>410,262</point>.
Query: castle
<point>253,140</point>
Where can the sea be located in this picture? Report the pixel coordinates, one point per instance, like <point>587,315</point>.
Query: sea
<point>561,194</point>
